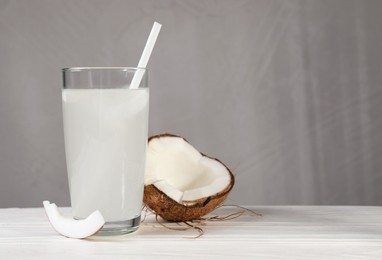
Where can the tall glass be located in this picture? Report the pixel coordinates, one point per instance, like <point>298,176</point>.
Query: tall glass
<point>105,127</point>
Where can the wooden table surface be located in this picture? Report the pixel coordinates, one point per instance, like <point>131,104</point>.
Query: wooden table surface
<point>282,232</point>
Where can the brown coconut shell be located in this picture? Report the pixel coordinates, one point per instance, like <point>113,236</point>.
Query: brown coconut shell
<point>171,210</point>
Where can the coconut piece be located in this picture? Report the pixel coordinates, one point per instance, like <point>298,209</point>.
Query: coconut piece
<point>73,228</point>
<point>182,184</point>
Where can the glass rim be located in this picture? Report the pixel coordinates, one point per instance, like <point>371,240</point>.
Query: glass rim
<point>102,68</point>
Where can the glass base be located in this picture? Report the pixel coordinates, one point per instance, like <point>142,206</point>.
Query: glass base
<point>116,228</point>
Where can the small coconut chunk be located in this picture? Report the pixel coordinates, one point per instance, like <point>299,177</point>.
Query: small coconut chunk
<point>70,227</point>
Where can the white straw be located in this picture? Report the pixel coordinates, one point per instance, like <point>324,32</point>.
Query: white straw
<point>145,55</point>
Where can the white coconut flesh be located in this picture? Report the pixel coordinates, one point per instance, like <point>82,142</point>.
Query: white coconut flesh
<point>73,228</point>
<point>181,172</point>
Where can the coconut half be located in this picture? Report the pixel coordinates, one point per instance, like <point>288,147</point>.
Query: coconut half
<point>182,184</point>
<point>73,228</point>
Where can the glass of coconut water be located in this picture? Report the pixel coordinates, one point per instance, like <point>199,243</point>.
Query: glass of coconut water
<point>105,128</point>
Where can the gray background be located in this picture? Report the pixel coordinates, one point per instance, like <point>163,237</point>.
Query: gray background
<point>286,93</point>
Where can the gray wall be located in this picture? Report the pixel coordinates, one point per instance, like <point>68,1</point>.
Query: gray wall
<point>286,93</point>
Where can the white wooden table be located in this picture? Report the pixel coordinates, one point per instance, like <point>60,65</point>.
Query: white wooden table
<point>283,232</point>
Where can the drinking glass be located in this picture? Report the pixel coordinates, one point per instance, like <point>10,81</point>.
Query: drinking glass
<point>105,129</point>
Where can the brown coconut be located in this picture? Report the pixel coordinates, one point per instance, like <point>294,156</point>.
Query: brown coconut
<point>172,210</point>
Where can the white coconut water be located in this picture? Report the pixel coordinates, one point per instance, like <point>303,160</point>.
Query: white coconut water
<point>105,143</point>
